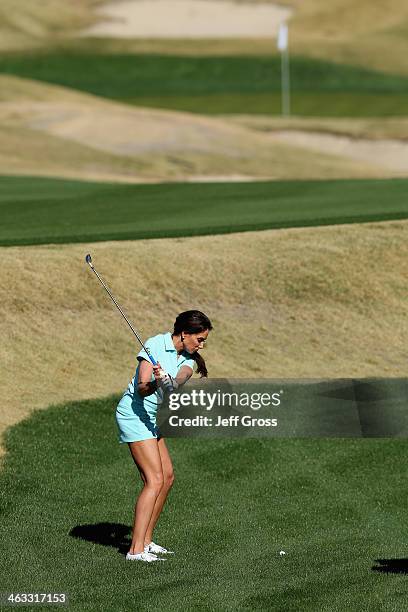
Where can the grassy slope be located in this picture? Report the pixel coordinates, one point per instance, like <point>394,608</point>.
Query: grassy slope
<point>328,576</point>
<point>25,24</point>
<point>218,84</point>
<point>43,152</point>
<point>310,302</point>
<point>52,156</point>
<point>335,507</point>
<point>72,134</point>
<point>369,128</point>
<point>371,34</point>
<point>367,34</point>
<point>39,211</point>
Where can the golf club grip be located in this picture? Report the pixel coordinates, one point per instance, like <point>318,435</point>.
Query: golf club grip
<point>152,359</point>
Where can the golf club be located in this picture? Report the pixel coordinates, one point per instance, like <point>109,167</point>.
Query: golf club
<point>88,260</point>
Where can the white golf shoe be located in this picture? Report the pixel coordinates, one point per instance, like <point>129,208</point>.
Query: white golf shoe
<point>144,556</point>
<point>157,550</point>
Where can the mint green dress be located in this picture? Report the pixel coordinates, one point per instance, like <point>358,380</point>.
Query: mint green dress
<point>136,415</point>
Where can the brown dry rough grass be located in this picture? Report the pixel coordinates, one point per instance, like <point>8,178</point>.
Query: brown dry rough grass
<point>312,302</point>
<point>371,34</point>
<point>72,134</point>
<point>371,128</point>
<point>26,24</point>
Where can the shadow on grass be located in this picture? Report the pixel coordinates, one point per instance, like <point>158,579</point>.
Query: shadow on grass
<point>391,566</point>
<point>116,535</point>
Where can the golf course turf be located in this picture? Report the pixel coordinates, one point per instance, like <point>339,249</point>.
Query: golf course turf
<point>335,507</point>
<point>294,522</point>
<point>216,85</point>
<point>41,211</point>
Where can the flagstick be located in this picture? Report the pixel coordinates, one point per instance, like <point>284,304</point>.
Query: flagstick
<point>283,46</point>
<point>285,83</point>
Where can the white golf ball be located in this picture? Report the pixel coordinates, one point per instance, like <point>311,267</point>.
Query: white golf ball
<point>282,552</point>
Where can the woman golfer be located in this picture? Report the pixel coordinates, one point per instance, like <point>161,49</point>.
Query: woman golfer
<point>176,354</point>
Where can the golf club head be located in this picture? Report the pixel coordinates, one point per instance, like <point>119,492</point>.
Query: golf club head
<point>88,260</point>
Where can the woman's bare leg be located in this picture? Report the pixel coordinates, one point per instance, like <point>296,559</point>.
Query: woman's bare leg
<point>168,479</point>
<point>147,457</point>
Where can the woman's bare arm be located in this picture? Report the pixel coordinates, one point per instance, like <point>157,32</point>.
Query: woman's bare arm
<point>145,385</point>
<point>183,375</point>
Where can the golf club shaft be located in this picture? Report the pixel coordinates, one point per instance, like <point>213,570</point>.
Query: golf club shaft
<point>154,362</point>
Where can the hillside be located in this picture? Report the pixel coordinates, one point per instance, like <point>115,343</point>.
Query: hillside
<point>365,34</point>
<point>370,34</point>
<point>72,134</point>
<point>315,302</point>
<point>26,24</point>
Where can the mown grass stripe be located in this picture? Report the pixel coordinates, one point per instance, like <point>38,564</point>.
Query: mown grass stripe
<point>41,211</point>
<point>216,84</point>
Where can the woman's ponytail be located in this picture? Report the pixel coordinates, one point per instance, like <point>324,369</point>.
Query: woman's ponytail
<point>201,367</point>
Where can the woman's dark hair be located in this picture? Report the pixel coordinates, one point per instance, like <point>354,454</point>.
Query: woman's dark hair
<point>193,322</point>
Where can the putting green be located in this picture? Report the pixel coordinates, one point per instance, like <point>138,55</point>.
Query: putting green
<point>217,84</point>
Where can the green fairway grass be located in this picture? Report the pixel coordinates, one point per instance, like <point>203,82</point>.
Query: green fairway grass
<point>306,104</point>
<point>40,211</point>
<point>67,490</point>
<point>218,84</point>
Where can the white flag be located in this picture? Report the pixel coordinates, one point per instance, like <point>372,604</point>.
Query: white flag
<point>283,37</point>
